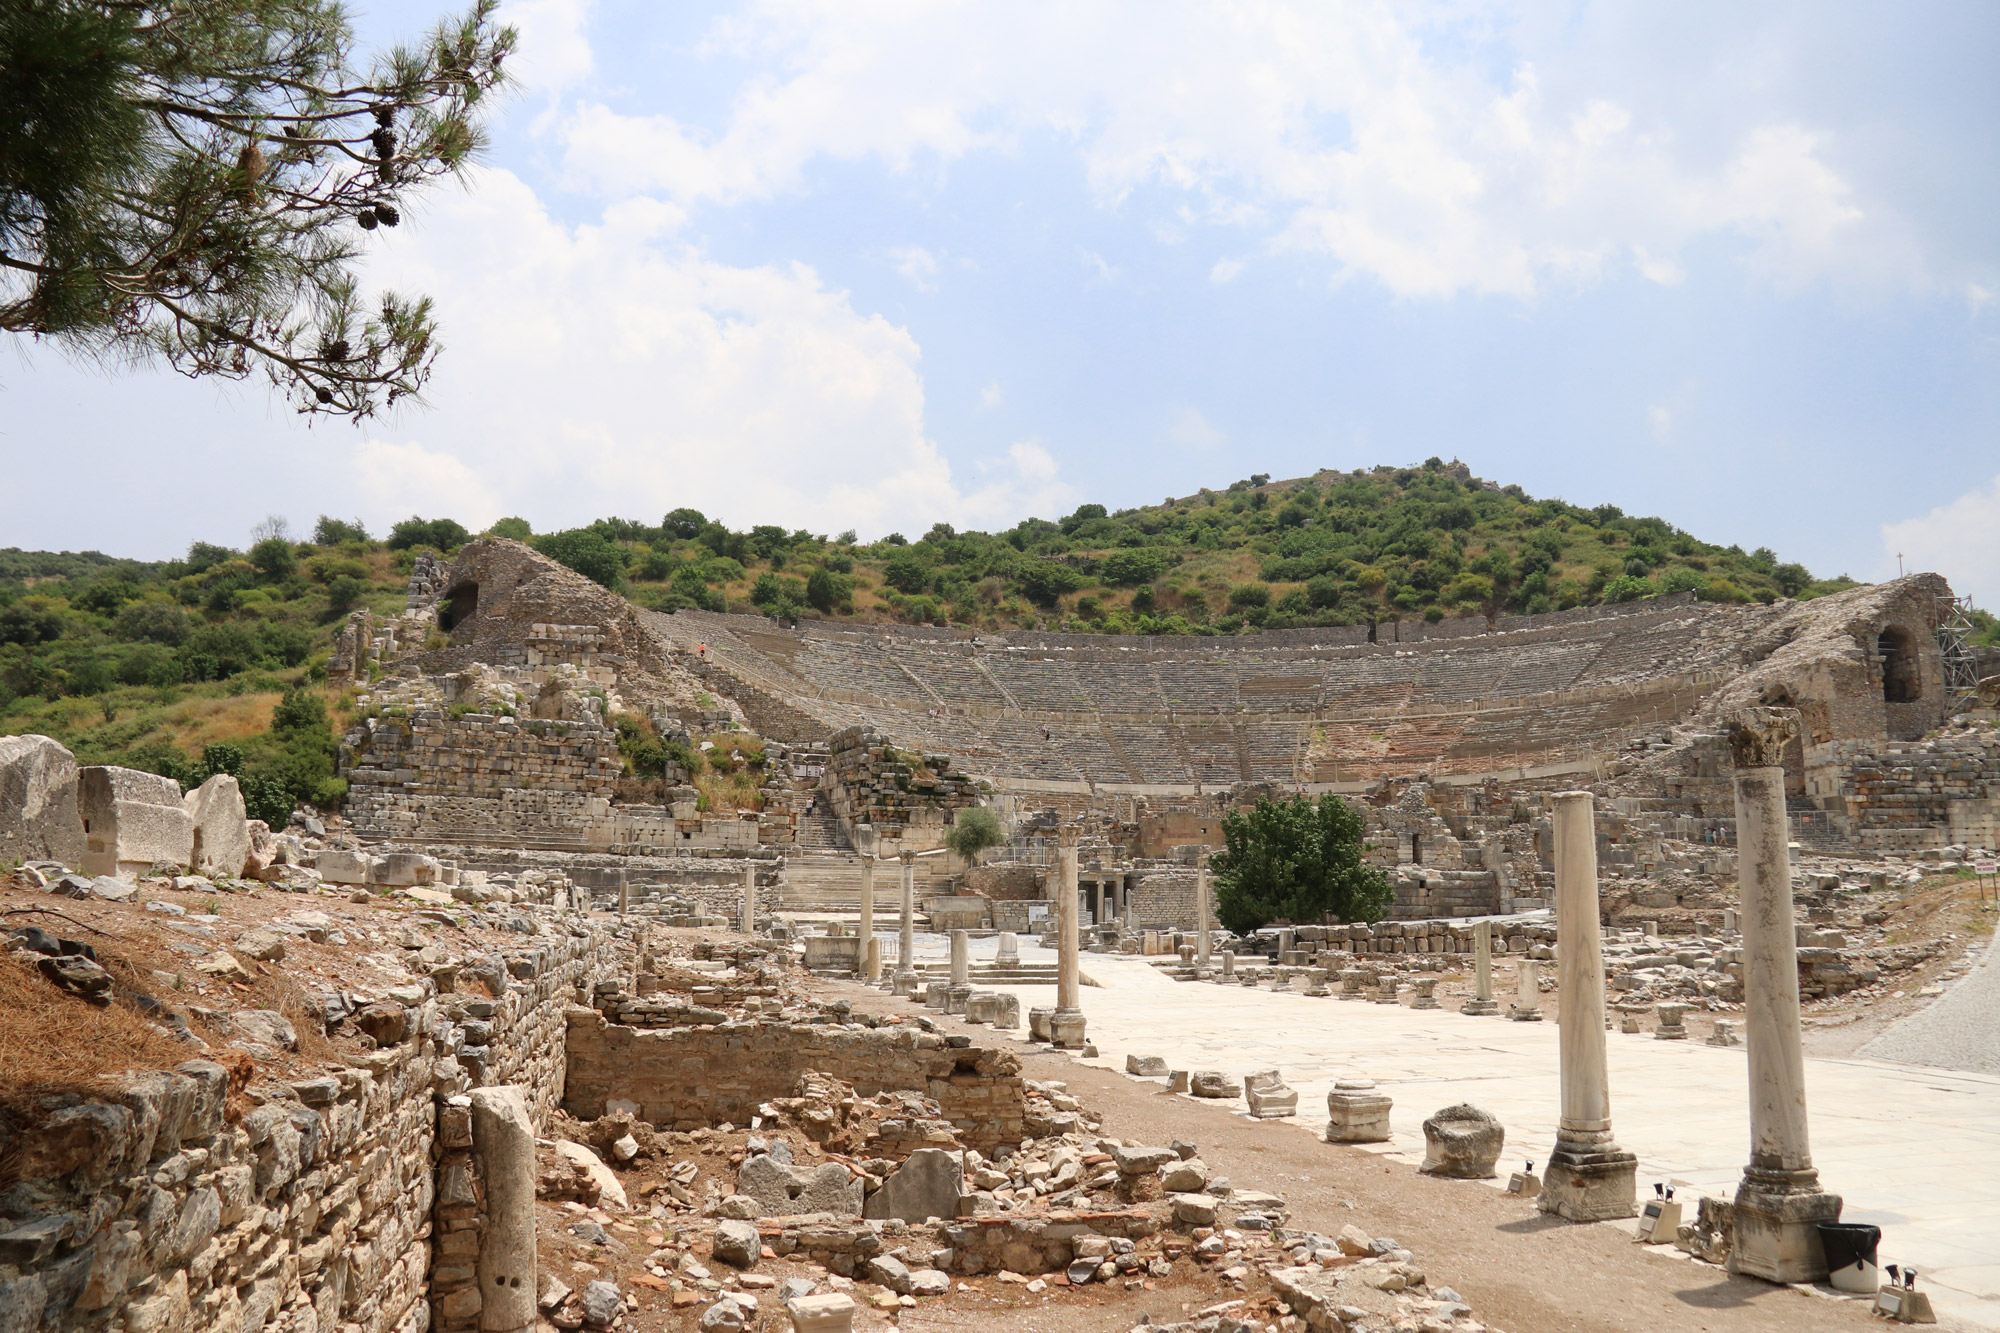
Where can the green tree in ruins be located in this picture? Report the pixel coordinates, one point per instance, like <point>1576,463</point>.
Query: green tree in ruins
<point>192,180</point>
<point>973,830</point>
<point>1295,860</point>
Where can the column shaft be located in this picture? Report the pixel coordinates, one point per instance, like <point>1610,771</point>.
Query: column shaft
<point>1202,913</point>
<point>867,928</point>
<point>1068,965</point>
<point>1779,1203</point>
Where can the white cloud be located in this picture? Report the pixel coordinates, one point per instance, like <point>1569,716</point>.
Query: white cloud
<point>1225,270</point>
<point>554,51</point>
<point>1188,428</point>
<point>1660,418</point>
<point>918,265</point>
<point>616,368</point>
<point>1366,132</point>
<point>991,396</point>
<point>1102,274</point>
<point>398,478</point>
<point>1960,540</point>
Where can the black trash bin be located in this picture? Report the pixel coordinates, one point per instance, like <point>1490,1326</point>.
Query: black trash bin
<point>1850,1255</point>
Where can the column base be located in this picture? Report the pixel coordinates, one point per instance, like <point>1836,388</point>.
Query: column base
<point>1066,1029</point>
<point>955,998</point>
<point>1479,1008</point>
<point>1585,1184</point>
<point>1777,1226</point>
<point>905,983</point>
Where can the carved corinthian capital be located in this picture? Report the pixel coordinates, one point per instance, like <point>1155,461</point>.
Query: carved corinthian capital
<point>1757,736</point>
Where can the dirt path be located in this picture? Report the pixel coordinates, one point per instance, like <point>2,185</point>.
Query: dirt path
<point>1519,1271</point>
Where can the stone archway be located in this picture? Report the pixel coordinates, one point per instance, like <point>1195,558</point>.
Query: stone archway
<point>460,605</point>
<point>1902,673</point>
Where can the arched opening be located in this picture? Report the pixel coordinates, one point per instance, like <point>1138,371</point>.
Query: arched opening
<point>1902,682</point>
<point>460,605</point>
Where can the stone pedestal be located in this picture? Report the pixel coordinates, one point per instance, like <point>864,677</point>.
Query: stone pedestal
<point>1779,1204</point>
<point>1351,982</point>
<point>1425,997</point>
<point>1009,950</point>
<point>1482,1002</point>
<point>830,1312</point>
<point>1527,1007</point>
<point>1040,1024</point>
<point>1066,1029</point>
<point>1671,1027</point>
<point>1589,1177</point>
<point>1463,1143</point>
<point>955,998</point>
<point>1268,1097</point>
<point>1356,1112</point>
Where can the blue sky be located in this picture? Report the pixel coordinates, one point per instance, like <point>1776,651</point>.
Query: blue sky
<point>876,265</point>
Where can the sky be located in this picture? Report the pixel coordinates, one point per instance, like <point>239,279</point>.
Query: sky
<point>877,264</point>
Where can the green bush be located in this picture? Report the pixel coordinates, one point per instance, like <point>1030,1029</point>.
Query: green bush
<point>446,534</point>
<point>973,830</point>
<point>1296,860</point>
<point>514,529</point>
<point>1043,582</point>
<point>1626,588</point>
<point>586,551</point>
<point>331,531</point>
<point>274,558</point>
<point>152,622</point>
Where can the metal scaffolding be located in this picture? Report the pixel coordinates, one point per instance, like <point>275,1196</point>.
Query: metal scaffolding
<point>1954,634</point>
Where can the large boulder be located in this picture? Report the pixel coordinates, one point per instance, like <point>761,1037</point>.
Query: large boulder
<point>928,1184</point>
<point>38,813</point>
<point>221,829</point>
<point>132,821</point>
<point>1462,1142</point>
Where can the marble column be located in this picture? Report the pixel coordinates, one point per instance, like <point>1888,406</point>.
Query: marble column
<point>1589,1177</point>
<point>750,898</point>
<point>503,1141</point>
<point>1779,1204</point>
<point>1204,914</point>
<point>961,958</point>
<point>1482,1001</point>
<point>871,964</point>
<point>1066,1025</point>
<point>906,941</point>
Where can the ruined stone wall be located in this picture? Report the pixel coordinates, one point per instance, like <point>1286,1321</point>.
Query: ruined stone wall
<point>908,799</point>
<point>175,1206</point>
<point>692,1077</point>
<point>1910,795</point>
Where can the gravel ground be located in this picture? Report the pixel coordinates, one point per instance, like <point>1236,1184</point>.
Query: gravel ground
<point>1960,1030</point>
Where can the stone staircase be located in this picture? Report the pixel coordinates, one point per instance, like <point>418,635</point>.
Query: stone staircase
<point>829,884</point>
<point>820,833</point>
<point>988,974</point>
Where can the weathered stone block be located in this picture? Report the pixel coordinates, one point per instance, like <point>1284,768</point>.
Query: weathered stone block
<point>38,802</point>
<point>1463,1143</point>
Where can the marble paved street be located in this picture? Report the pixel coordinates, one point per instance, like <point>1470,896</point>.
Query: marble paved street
<point>1914,1150</point>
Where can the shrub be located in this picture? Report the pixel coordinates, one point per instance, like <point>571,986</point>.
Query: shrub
<point>1245,595</point>
<point>1626,588</point>
<point>973,830</point>
<point>1130,568</point>
<point>907,572</point>
<point>586,551</point>
<point>514,529</point>
<point>274,558</point>
<point>446,534</point>
<point>344,590</point>
<point>152,622</point>
<point>1043,582</point>
<point>823,592</point>
<point>330,531</point>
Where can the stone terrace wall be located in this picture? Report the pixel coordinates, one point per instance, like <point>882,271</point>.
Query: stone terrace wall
<point>688,1078</point>
<point>1909,795</point>
<point>172,1208</point>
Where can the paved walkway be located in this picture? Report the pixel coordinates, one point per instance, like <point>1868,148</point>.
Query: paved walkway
<point>1960,1031</point>
<point>1913,1150</point>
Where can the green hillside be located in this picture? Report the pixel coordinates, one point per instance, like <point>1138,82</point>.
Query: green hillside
<point>216,661</point>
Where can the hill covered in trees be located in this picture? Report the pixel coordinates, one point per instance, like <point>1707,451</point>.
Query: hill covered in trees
<point>215,662</point>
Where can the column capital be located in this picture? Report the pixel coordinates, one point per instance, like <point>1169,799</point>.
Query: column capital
<point>908,858</point>
<point>1066,836</point>
<point>1571,797</point>
<point>1757,736</point>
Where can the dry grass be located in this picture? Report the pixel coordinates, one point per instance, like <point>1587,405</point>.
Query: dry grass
<point>193,723</point>
<point>53,1042</point>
